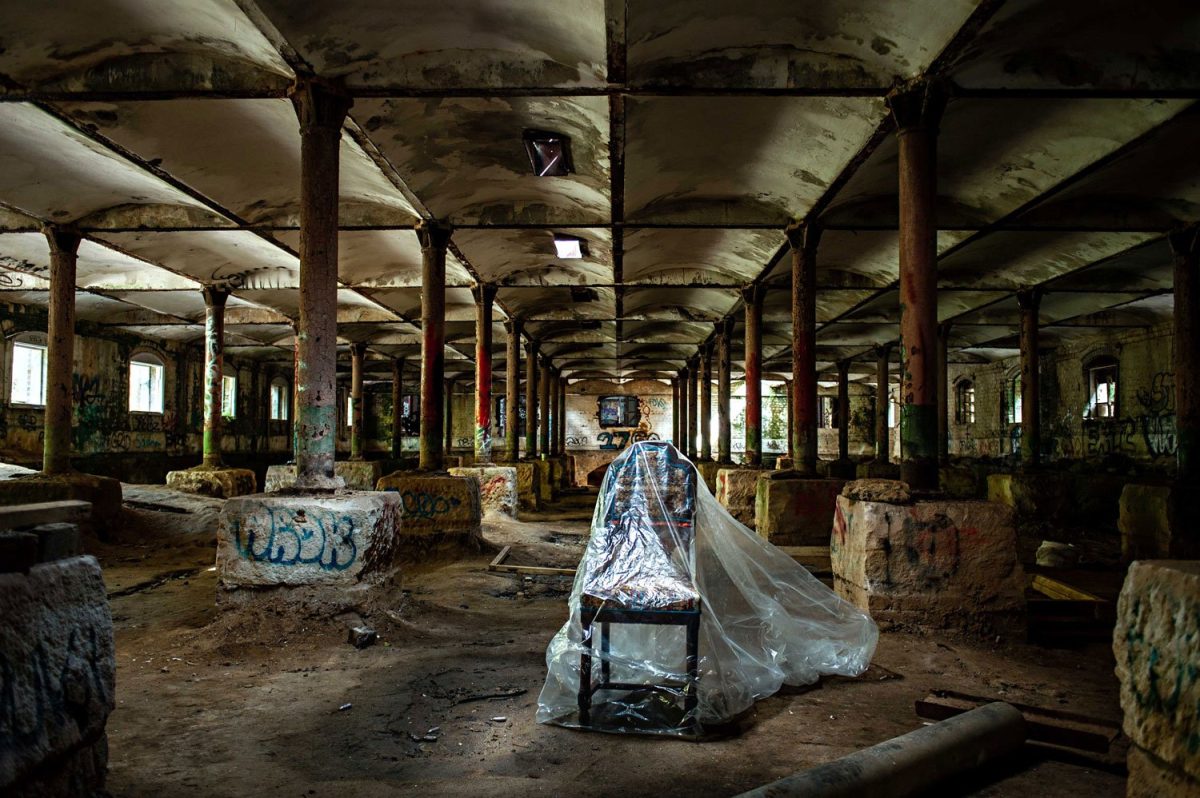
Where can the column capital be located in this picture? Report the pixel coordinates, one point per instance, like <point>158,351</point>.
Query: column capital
<point>804,236</point>
<point>1185,241</point>
<point>215,295</point>
<point>752,294</point>
<point>843,367</point>
<point>358,349</point>
<point>62,238</point>
<point>531,346</point>
<point>884,349</point>
<point>434,235</point>
<point>917,104</point>
<point>1029,299</point>
<point>320,103</point>
<point>484,293</point>
<point>514,325</point>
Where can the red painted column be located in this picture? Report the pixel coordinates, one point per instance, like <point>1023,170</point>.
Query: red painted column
<point>512,391</point>
<point>724,389</point>
<point>1031,418</point>
<point>917,108</point>
<point>804,239</point>
<point>60,349</point>
<point>397,406</point>
<point>484,295</point>
<point>544,406</point>
<point>531,399</point>
<point>753,297</point>
<point>706,354</point>
<point>435,238</point>
<point>321,109</point>
<point>358,353</point>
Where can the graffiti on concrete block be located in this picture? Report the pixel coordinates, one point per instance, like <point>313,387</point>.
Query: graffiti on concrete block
<point>286,536</point>
<point>426,506</point>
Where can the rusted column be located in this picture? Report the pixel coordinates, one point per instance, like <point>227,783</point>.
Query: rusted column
<point>60,349</point>
<point>358,353</point>
<point>803,239</point>
<point>484,295</point>
<point>531,399</point>
<point>214,367</point>
<point>552,413</point>
<point>753,297</point>
<point>434,238</point>
<point>321,109</point>
<point>706,355</point>
<point>883,354</point>
<point>675,436</point>
<point>397,406</point>
<point>448,412</point>
<point>791,422</point>
<point>544,407</point>
<point>693,405</point>
<point>917,108</point>
<point>512,391</point>
<point>943,397</point>
<point>684,425</point>
<point>843,397</point>
<point>1031,423</point>
<point>724,389</point>
<point>1185,244</point>
<point>562,414</point>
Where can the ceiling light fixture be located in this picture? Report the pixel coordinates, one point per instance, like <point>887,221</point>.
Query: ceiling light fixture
<point>570,247</point>
<point>549,153</point>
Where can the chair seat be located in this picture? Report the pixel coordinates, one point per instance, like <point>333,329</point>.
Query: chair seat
<point>671,597</point>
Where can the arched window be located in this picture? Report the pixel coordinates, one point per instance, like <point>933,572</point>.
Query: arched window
<point>27,384</point>
<point>279,400</point>
<point>1012,399</point>
<point>229,393</point>
<point>1102,387</point>
<point>964,402</point>
<point>146,378</point>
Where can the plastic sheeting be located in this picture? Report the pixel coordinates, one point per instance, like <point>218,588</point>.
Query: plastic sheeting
<point>661,551</point>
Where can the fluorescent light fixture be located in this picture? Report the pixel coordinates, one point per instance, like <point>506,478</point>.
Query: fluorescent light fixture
<point>569,247</point>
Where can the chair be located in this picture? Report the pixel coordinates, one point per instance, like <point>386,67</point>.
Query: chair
<point>663,595</point>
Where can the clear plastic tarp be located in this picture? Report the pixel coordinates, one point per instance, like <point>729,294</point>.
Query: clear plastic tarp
<point>681,616</point>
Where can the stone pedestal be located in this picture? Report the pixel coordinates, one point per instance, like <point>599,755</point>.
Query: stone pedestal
<point>542,481</point>
<point>56,656</point>
<point>219,483</point>
<point>796,512</point>
<point>1156,644</point>
<point>558,474</point>
<point>737,489</point>
<point>842,469</point>
<point>1146,519</point>
<point>937,564</point>
<point>873,469</point>
<point>104,493</point>
<point>437,511</point>
<point>1043,495</point>
<point>960,482</point>
<point>497,487</point>
<point>357,474</point>
<point>527,497</point>
<point>340,539</point>
<point>708,472</point>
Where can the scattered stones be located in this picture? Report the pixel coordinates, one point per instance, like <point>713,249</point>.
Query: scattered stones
<point>892,491</point>
<point>362,636</point>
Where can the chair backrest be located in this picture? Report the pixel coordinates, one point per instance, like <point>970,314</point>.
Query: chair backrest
<point>653,479</point>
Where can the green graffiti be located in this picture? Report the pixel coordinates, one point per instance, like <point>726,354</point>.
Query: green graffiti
<point>918,431</point>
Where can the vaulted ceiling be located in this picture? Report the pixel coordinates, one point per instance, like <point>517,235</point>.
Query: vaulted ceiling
<point>699,129</point>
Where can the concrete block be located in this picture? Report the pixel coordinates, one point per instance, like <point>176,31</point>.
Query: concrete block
<point>436,507</point>
<point>708,472</point>
<point>558,473</point>
<point>103,493</point>
<point>18,551</point>
<point>343,538</point>
<point>57,661</point>
<point>219,483</point>
<point>497,487</point>
<point>737,491</point>
<point>1150,778</point>
<point>527,497</point>
<point>357,474</point>
<point>842,469</point>
<point>1156,644</point>
<point>959,482</point>
<point>873,469</point>
<point>796,512</point>
<point>1043,496</point>
<point>542,481</point>
<point>937,564</point>
<point>783,463</point>
<point>1146,517</point>
<point>57,541</point>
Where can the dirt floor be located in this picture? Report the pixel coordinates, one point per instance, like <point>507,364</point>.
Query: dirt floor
<point>230,703</point>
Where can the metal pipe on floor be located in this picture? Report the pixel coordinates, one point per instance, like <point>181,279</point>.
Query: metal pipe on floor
<point>912,763</point>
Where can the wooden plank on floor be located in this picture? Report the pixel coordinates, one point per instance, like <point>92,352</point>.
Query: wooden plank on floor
<point>18,515</point>
<point>532,570</point>
<point>1052,726</point>
<point>1049,586</point>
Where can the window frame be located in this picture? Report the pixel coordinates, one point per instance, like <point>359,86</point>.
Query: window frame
<point>624,402</point>
<point>228,406</point>
<point>1102,363</point>
<point>827,412</point>
<point>280,386</point>
<point>157,365</point>
<point>964,402</point>
<point>1011,400</point>
<point>34,341</point>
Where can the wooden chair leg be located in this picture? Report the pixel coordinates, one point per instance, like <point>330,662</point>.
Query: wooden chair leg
<point>585,674</point>
<point>691,691</point>
<point>605,666</point>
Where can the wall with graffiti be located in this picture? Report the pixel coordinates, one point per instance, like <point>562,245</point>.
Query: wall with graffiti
<point>1141,429</point>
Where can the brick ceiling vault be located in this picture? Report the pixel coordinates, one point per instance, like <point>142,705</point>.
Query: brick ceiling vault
<point>699,130</point>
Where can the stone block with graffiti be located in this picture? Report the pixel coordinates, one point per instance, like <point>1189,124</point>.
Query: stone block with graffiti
<point>344,538</point>
<point>497,488</point>
<point>357,474</point>
<point>220,483</point>
<point>442,506</point>
<point>737,489</point>
<point>1157,648</point>
<point>939,564</point>
<point>796,512</point>
<point>526,472</point>
<point>57,675</point>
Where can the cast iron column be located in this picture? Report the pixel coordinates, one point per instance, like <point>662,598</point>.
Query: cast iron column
<point>531,399</point>
<point>791,422</point>
<point>358,353</point>
<point>675,436</point>
<point>706,354</point>
<point>435,238</point>
<point>693,405</point>
<point>214,361</point>
<point>683,410</point>
<point>803,239</point>
<point>397,405</point>
<point>843,368</point>
<point>724,389</point>
<point>1185,244</point>
<point>562,414</point>
<point>544,408</point>
<point>60,349</point>
<point>1031,421</point>
<point>552,413</point>
<point>484,294</point>
<point>917,108</point>
<point>883,353</point>
<point>512,391</point>
<point>448,411</point>
<point>321,110</point>
<point>752,295</point>
<point>943,366</point>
